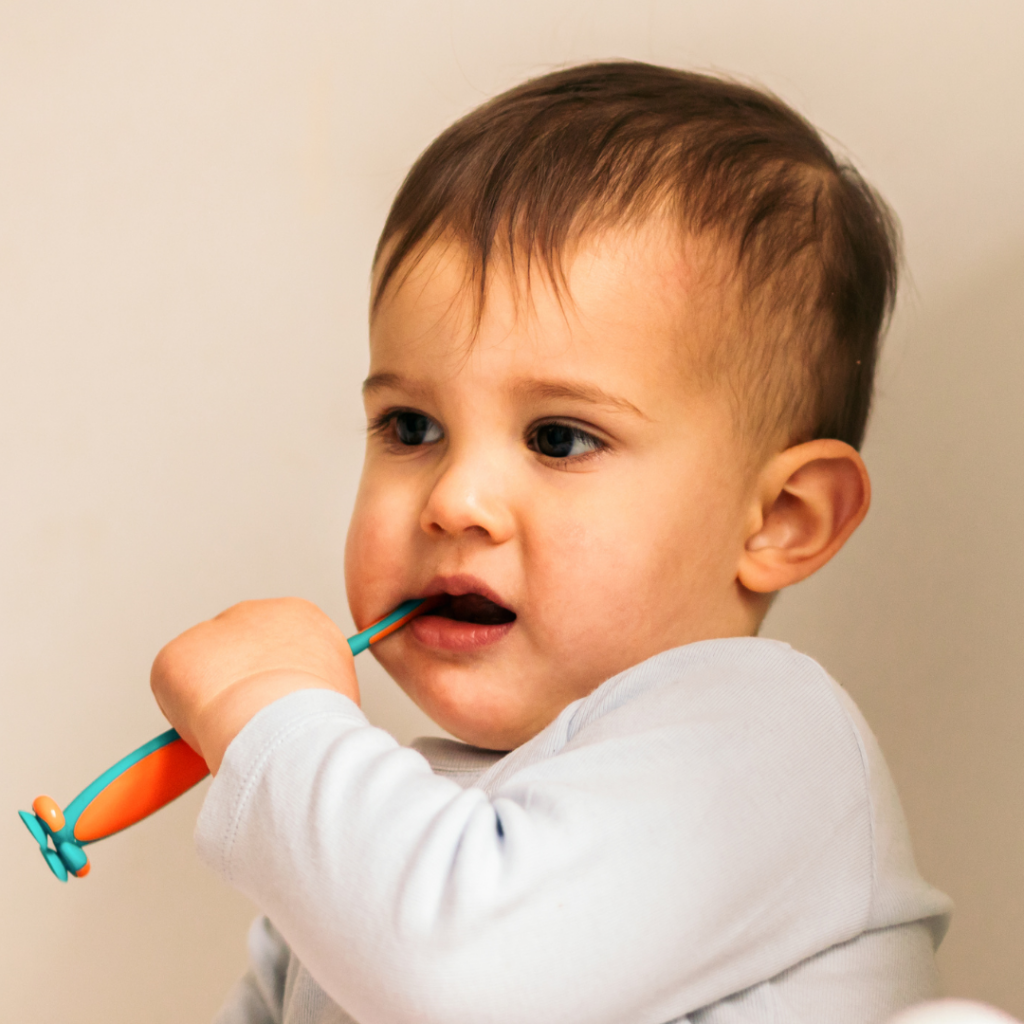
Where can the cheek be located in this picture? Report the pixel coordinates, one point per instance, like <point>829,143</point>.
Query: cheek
<point>586,567</point>
<point>690,524</point>
<point>375,549</point>
<point>632,568</point>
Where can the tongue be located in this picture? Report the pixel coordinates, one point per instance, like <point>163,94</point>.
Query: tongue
<point>474,608</point>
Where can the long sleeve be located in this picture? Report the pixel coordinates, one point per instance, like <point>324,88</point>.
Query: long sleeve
<point>694,827</point>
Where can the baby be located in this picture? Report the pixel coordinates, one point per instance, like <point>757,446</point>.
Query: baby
<point>623,333</point>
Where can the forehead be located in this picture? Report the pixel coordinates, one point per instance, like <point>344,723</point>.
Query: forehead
<point>638,295</point>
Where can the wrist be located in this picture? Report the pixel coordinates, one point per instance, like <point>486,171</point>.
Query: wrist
<point>229,712</point>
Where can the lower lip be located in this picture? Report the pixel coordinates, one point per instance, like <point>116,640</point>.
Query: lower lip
<point>449,635</point>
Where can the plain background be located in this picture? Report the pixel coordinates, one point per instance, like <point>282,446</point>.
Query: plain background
<point>190,193</point>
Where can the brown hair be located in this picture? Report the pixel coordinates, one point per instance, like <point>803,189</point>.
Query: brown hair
<point>813,247</point>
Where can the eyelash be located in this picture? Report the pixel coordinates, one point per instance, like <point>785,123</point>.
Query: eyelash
<point>576,434</point>
<point>384,425</point>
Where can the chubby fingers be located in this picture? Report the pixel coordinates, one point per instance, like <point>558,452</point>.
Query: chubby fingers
<point>216,676</point>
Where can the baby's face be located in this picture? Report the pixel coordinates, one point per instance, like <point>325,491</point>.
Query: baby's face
<point>557,472</point>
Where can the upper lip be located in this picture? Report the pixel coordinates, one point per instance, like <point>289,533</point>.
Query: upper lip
<point>460,584</point>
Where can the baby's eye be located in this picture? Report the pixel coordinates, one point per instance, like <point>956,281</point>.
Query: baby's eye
<point>561,441</point>
<point>413,428</point>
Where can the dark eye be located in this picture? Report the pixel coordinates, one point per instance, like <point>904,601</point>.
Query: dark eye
<point>413,428</point>
<point>560,441</point>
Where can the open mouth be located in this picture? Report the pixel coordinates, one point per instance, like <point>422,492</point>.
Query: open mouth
<point>473,608</point>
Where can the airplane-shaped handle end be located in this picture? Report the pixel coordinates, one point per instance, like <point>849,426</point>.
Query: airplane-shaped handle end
<point>139,784</point>
<point>63,854</point>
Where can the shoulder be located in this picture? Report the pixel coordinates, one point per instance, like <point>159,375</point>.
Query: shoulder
<point>747,722</point>
<point>760,694</point>
<point>730,763</point>
<point>738,720</point>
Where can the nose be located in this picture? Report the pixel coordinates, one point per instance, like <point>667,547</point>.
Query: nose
<point>469,496</point>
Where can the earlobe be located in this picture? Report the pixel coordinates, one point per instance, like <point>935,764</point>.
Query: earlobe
<point>808,501</point>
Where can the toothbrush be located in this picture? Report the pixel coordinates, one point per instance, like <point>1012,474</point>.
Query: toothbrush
<point>148,779</point>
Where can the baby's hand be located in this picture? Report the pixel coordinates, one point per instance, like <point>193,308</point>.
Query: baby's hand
<point>213,678</point>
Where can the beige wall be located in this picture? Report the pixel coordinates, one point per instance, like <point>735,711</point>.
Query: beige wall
<point>189,197</point>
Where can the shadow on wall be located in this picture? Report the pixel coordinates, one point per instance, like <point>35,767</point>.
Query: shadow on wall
<point>922,616</point>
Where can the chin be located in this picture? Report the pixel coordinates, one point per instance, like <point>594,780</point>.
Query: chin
<point>488,728</point>
<point>464,703</point>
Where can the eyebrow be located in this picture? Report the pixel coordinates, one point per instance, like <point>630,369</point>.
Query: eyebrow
<point>537,389</point>
<point>385,381</point>
<point>574,391</point>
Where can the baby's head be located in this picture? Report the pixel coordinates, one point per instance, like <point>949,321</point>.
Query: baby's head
<point>623,335</point>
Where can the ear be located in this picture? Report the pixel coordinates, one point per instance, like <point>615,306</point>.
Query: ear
<point>808,500</point>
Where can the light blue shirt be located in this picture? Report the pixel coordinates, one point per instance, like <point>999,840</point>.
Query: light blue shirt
<point>711,836</point>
